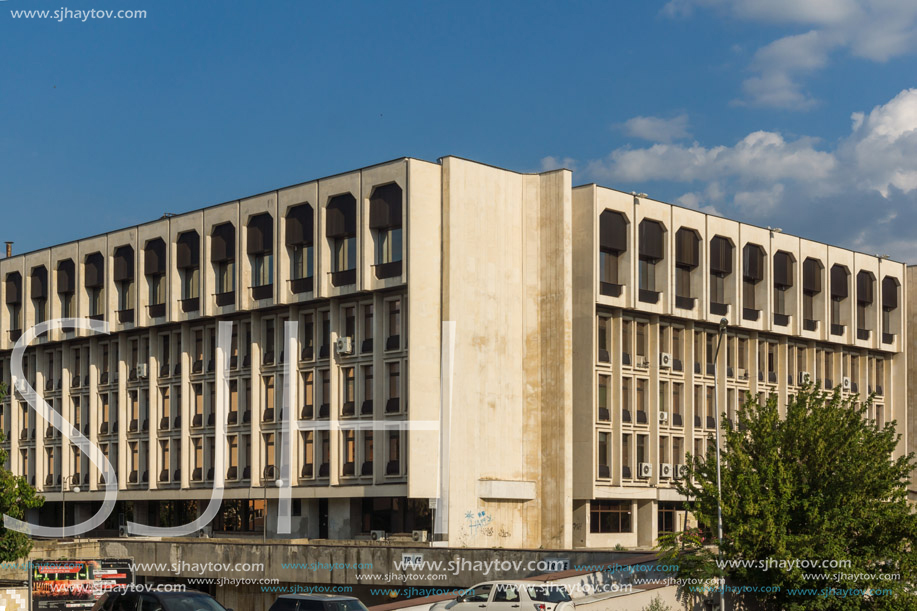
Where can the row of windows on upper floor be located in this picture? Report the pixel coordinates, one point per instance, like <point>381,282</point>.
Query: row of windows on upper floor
<point>635,445</point>
<point>357,324</point>
<point>314,400</point>
<point>613,244</point>
<point>385,223</point>
<point>831,362</point>
<point>313,452</point>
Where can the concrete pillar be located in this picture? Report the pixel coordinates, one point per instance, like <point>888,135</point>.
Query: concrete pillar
<point>339,526</point>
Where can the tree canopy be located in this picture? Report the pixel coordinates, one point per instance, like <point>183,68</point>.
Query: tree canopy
<point>822,484</point>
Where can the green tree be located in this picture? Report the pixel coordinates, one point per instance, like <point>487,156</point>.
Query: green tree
<point>16,496</point>
<point>820,484</point>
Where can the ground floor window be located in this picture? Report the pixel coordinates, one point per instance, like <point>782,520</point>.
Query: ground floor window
<point>668,515</point>
<point>610,517</point>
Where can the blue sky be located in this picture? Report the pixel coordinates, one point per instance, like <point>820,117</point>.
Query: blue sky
<point>796,114</point>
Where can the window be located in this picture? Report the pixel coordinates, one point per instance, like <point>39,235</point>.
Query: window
<point>626,472</point>
<point>349,391</point>
<point>95,284</point>
<point>625,399</point>
<point>604,455</point>
<point>308,448</point>
<point>123,275</point>
<point>66,282</point>
<point>223,257</point>
<point>651,252</point>
<point>720,268</point>
<point>300,239</point>
<point>367,468</point>
<point>612,243</point>
<point>610,516</point>
<point>350,451</point>
<point>367,407</point>
<point>667,515</point>
<point>865,297</point>
<point>604,340</point>
<point>39,290</point>
<point>752,274</point>
<point>14,302</point>
<point>261,252</point>
<point>889,304</point>
<point>641,401</point>
<point>394,387</point>
<point>641,341</point>
<point>393,341</point>
<point>677,393</point>
<point>687,251</point>
<point>308,386</point>
<point>269,453</point>
<point>385,222</point>
<point>341,230</point>
<point>394,453</point>
<point>188,252</point>
<point>604,398</point>
<point>154,268</point>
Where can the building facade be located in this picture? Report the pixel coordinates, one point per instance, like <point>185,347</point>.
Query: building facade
<point>573,374</point>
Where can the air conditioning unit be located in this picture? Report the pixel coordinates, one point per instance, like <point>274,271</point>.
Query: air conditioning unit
<point>645,470</point>
<point>743,375</point>
<point>805,377</point>
<point>643,362</point>
<point>122,531</point>
<point>681,471</point>
<point>665,360</point>
<point>665,470</point>
<point>142,370</point>
<point>845,382</point>
<point>21,385</point>
<point>419,536</point>
<point>206,532</point>
<point>663,416</point>
<point>377,535</point>
<point>344,345</point>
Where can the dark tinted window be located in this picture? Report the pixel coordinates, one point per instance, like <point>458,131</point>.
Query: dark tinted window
<point>107,602</point>
<point>311,605</point>
<point>126,602</point>
<point>344,605</point>
<point>548,594</point>
<point>148,602</point>
<point>284,604</point>
<point>188,601</point>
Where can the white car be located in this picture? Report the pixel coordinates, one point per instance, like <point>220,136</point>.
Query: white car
<point>510,596</point>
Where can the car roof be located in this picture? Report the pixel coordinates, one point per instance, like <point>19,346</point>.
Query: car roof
<point>318,597</point>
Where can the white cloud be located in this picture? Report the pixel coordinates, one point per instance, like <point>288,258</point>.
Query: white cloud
<point>877,30</point>
<point>656,129</point>
<point>557,163</point>
<point>861,192</point>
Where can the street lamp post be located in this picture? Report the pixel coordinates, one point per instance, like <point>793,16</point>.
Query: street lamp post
<point>719,488</point>
<point>278,483</point>
<point>69,480</point>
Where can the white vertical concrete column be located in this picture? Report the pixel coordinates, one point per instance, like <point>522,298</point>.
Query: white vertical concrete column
<point>255,397</point>
<point>153,408</point>
<point>120,413</point>
<point>184,407</point>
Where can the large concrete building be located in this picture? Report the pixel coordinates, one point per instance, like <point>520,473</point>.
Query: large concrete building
<point>578,373</point>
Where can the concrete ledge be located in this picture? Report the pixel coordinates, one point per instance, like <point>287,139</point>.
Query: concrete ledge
<point>502,489</point>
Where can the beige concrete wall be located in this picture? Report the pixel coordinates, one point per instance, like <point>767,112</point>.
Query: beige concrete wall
<point>513,349</point>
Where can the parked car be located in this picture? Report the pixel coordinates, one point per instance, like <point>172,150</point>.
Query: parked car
<point>189,600</point>
<point>510,596</point>
<point>317,602</point>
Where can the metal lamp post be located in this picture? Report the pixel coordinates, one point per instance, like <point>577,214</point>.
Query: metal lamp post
<point>719,488</point>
